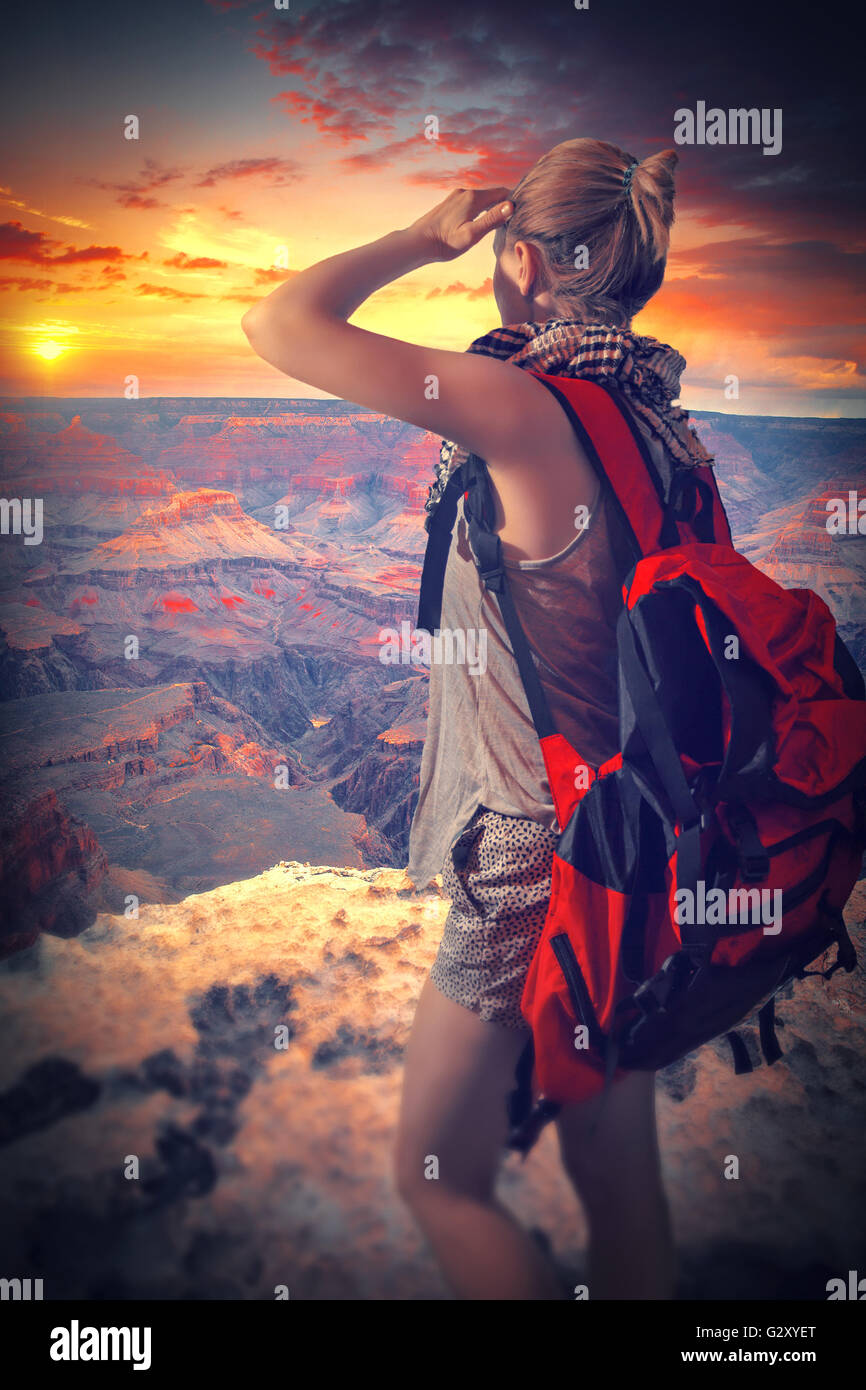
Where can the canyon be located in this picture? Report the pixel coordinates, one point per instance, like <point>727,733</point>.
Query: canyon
<point>235,563</point>
<point>253,550</point>
<point>207,779</point>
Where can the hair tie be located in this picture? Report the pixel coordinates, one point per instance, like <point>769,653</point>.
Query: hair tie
<point>628,176</point>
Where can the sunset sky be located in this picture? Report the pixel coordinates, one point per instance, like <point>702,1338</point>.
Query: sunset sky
<point>297,133</point>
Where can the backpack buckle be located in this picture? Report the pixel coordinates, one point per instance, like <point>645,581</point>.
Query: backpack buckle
<point>653,995</point>
<point>753,858</point>
<point>494,579</point>
<point>754,868</point>
<point>646,998</point>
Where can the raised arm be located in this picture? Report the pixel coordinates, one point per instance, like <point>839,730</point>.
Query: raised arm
<point>492,408</point>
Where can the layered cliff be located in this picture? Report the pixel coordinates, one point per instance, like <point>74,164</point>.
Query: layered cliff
<point>260,547</point>
<point>173,782</point>
<point>51,869</point>
<point>369,753</point>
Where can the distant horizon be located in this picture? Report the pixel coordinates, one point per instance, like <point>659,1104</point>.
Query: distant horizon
<point>6,400</point>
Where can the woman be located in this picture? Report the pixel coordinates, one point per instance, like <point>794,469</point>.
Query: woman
<point>580,246</point>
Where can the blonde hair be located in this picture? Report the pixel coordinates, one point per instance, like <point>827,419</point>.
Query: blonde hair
<point>575,197</point>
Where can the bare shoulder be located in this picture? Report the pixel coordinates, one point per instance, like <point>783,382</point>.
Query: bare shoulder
<point>513,413</point>
<point>544,484</point>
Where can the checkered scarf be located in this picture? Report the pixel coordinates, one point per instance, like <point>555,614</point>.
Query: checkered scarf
<point>648,373</point>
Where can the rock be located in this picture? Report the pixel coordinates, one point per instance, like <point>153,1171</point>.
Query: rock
<point>264,1163</point>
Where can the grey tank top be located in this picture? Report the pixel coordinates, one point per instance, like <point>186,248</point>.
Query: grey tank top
<point>481,748</point>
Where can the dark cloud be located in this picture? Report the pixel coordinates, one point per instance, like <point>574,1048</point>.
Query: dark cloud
<point>506,81</point>
<point>139,200</point>
<point>805,299</point>
<point>45,288</point>
<point>138,193</point>
<point>19,243</point>
<point>90,253</point>
<point>509,80</point>
<point>804,262</point>
<point>275,170</point>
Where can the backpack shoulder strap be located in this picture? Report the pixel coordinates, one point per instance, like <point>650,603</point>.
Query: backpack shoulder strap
<point>605,433</point>
<point>486,549</point>
<point>656,515</point>
<point>436,553</point>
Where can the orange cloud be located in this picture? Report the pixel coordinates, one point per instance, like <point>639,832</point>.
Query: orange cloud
<point>30,283</point>
<point>18,243</point>
<point>184,262</point>
<point>482,291</point>
<point>166,292</point>
<point>273,276</point>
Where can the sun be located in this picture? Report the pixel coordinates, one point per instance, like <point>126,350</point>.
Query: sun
<point>49,349</point>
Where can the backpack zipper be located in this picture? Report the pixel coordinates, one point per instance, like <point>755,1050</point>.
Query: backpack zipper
<point>580,997</point>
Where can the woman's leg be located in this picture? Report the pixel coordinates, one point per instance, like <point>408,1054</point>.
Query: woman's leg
<point>458,1073</point>
<point>616,1171</point>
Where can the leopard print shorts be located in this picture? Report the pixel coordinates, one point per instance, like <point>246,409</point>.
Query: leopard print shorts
<point>498,876</point>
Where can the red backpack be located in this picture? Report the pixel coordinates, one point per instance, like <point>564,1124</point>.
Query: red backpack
<point>708,863</point>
